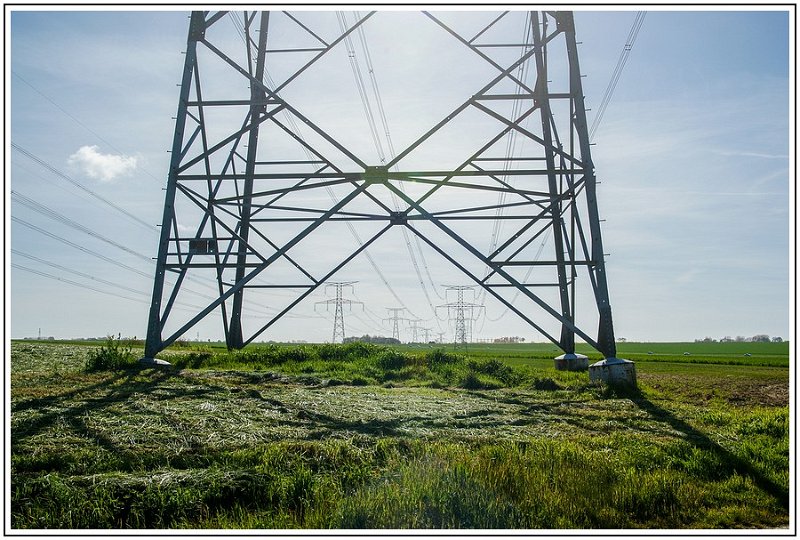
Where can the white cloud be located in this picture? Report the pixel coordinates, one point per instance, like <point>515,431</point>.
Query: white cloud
<point>103,167</point>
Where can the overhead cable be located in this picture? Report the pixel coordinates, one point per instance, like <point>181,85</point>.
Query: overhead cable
<point>75,272</point>
<point>355,66</point>
<point>52,214</point>
<point>623,58</point>
<point>77,284</point>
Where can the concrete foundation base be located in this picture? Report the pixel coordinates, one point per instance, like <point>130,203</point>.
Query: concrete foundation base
<point>613,370</point>
<point>571,362</point>
<point>150,362</point>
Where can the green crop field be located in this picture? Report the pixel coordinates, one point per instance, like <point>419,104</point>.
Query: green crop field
<point>362,436</point>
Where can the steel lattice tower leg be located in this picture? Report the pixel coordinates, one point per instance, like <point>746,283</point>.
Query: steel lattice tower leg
<point>542,96</point>
<point>154,342</point>
<point>605,338</point>
<point>257,112</point>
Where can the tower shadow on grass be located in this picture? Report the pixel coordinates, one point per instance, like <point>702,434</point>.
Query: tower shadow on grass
<point>72,406</point>
<point>734,464</point>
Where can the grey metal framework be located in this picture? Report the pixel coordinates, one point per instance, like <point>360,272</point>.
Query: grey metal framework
<point>338,301</point>
<point>463,313</point>
<point>395,320</point>
<point>229,216</point>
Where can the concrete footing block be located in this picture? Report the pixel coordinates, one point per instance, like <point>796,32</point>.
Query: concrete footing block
<point>151,362</point>
<point>571,362</point>
<point>613,370</point>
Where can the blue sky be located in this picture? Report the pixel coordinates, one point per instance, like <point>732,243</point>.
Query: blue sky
<point>693,154</point>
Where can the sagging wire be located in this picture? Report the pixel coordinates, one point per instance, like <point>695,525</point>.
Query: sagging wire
<point>373,129</point>
<point>621,61</point>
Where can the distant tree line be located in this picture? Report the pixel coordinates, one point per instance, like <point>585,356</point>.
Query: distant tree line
<point>510,339</point>
<point>374,339</point>
<point>758,338</point>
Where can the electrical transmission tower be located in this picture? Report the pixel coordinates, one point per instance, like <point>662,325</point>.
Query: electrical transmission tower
<point>415,329</point>
<point>462,312</point>
<point>395,320</point>
<point>242,202</point>
<point>339,302</point>
<point>426,332</point>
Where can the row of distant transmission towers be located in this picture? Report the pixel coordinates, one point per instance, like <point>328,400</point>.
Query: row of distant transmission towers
<point>460,313</point>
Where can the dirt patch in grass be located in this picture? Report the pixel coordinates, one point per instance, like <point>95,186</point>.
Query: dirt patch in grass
<point>735,390</point>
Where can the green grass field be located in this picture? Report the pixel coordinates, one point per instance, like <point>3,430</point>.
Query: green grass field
<point>413,437</point>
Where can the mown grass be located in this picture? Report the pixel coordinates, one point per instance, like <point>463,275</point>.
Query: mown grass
<point>363,436</point>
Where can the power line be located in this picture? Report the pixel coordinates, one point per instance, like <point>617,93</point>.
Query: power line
<point>362,91</point>
<point>179,305</point>
<point>52,214</point>
<point>252,313</point>
<point>623,58</point>
<point>52,182</point>
<point>93,253</point>
<point>75,272</point>
<point>376,139</point>
<point>87,276</point>
<point>49,212</point>
<point>368,323</point>
<point>77,284</point>
<point>79,247</point>
<point>67,221</point>
<point>375,319</point>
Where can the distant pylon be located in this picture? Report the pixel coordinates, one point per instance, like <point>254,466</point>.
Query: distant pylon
<point>339,301</point>
<point>395,319</point>
<point>458,311</point>
<point>415,328</point>
<point>427,333</point>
